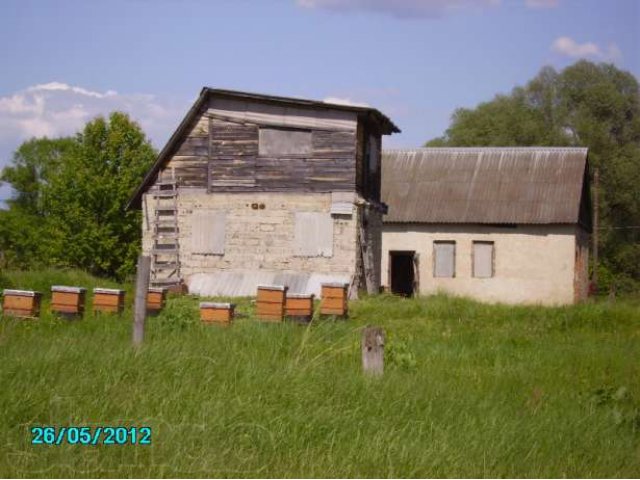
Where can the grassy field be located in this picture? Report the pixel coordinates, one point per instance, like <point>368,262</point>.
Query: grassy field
<point>469,390</point>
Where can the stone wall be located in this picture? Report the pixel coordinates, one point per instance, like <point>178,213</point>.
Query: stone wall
<point>257,239</point>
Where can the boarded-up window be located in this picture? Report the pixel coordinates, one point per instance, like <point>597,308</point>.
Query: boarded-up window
<point>208,232</point>
<point>313,234</point>
<point>483,259</point>
<point>444,259</point>
<point>274,142</point>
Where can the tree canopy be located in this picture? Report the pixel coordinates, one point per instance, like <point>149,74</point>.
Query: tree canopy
<point>69,199</point>
<point>586,104</point>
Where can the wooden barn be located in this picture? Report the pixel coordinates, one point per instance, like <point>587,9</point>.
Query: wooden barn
<point>257,189</point>
<point>496,224</point>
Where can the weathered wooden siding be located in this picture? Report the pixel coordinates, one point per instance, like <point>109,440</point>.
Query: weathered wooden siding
<point>225,159</point>
<point>232,155</point>
<point>189,164</point>
<point>368,163</point>
<point>235,163</point>
<point>262,113</point>
<point>221,152</point>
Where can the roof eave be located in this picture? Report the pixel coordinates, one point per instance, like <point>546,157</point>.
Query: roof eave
<point>134,200</point>
<point>387,126</point>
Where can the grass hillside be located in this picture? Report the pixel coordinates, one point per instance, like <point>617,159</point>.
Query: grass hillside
<point>469,390</point>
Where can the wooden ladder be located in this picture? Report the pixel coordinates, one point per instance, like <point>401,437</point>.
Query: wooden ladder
<point>165,255</point>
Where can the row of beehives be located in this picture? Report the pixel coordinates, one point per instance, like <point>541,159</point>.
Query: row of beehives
<point>70,301</point>
<point>273,304</point>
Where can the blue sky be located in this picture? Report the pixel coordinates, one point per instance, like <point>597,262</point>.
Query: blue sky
<point>65,62</point>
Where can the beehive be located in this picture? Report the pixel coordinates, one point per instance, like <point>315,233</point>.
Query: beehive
<point>68,301</point>
<point>299,306</point>
<point>270,304</point>
<point>334,299</point>
<point>108,300</point>
<point>21,303</point>
<point>156,298</point>
<point>219,313</point>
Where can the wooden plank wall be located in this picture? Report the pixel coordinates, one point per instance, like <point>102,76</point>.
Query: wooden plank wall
<point>233,153</point>
<point>222,155</point>
<point>189,163</point>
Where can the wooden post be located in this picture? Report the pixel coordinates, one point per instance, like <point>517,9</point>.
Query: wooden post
<point>373,351</point>
<point>367,261</point>
<point>140,307</point>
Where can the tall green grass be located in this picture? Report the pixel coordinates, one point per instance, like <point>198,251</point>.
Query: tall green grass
<point>468,390</point>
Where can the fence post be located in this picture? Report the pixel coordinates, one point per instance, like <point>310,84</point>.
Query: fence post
<point>373,351</point>
<point>140,306</point>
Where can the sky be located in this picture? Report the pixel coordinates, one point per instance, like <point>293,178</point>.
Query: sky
<point>65,62</point>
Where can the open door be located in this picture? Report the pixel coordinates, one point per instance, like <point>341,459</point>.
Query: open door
<point>403,272</point>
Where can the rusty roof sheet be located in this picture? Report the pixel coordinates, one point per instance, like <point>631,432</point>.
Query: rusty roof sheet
<point>525,185</point>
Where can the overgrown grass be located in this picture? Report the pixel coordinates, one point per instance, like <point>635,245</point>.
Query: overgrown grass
<point>468,390</point>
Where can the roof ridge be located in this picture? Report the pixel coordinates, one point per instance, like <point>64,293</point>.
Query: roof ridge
<point>483,149</point>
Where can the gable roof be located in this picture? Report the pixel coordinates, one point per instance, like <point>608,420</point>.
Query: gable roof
<point>494,185</point>
<point>364,113</point>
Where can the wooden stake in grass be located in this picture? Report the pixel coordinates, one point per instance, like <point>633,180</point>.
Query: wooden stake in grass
<point>140,307</point>
<point>373,351</point>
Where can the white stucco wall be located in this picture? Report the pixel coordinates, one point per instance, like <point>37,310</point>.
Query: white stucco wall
<point>532,264</point>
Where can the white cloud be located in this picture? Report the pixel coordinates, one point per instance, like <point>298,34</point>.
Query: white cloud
<point>568,47</point>
<point>398,8</point>
<point>63,87</point>
<point>541,3</point>
<point>57,109</point>
<point>344,101</point>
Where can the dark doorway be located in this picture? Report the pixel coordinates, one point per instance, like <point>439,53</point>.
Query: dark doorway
<point>403,273</point>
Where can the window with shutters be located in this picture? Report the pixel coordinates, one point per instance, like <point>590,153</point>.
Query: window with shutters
<point>444,259</point>
<point>482,258</point>
<point>208,231</point>
<point>313,234</point>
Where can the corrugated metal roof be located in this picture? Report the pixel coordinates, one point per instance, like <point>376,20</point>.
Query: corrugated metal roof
<point>240,283</point>
<point>527,185</point>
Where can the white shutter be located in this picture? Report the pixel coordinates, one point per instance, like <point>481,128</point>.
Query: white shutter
<point>342,203</point>
<point>483,259</point>
<point>208,232</point>
<point>444,259</point>
<point>313,234</point>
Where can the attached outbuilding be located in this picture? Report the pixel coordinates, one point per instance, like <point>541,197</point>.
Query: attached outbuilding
<point>505,225</point>
<point>257,189</point>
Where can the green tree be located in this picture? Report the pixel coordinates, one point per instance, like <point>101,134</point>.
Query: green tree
<point>68,209</point>
<point>586,104</point>
<point>22,226</point>
<point>34,162</point>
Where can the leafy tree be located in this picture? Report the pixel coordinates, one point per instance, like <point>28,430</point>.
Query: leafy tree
<point>22,226</point>
<point>586,104</point>
<point>68,209</point>
<point>34,162</point>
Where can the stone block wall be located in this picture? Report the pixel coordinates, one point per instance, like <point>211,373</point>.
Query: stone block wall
<point>261,238</point>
